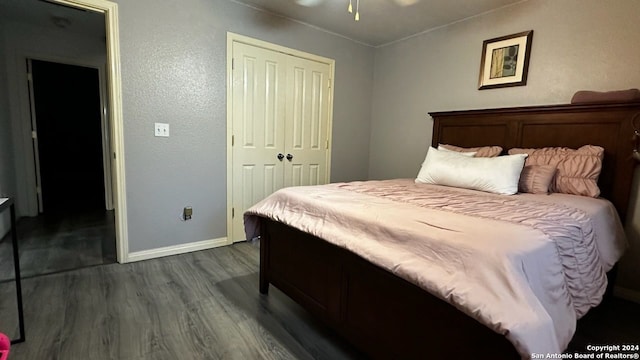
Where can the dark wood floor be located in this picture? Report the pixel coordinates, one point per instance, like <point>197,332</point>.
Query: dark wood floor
<point>614,322</point>
<point>204,305</point>
<point>55,242</point>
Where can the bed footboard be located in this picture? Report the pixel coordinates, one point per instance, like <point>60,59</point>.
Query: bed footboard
<point>381,314</point>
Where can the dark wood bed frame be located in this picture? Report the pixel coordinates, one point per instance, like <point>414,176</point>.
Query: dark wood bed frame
<point>387,317</point>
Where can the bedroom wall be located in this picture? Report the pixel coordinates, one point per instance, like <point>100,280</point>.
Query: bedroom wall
<point>173,57</point>
<point>7,180</point>
<point>577,44</point>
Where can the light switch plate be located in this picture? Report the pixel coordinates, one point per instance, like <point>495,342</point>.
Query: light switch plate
<point>161,129</point>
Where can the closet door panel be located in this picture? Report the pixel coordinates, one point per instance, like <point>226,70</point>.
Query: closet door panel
<point>307,121</point>
<point>259,99</point>
<point>280,104</point>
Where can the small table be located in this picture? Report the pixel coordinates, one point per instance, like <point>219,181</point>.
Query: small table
<point>7,203</point>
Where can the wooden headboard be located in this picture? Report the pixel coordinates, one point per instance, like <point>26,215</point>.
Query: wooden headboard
<point>606,125</point>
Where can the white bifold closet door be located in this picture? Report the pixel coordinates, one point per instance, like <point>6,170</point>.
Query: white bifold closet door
<point>280,137</point>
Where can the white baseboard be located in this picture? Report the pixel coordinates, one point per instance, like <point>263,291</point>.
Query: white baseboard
<point>176,249</point>
<point>627,294</point>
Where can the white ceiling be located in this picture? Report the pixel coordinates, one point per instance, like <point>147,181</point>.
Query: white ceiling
<point>381,21</point>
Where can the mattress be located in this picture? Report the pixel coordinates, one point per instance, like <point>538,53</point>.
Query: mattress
<point>527,266</point>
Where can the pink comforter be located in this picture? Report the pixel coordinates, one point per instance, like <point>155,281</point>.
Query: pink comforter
<point>525,268</point>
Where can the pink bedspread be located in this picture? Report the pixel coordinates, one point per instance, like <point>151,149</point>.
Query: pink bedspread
<point>525,266</point>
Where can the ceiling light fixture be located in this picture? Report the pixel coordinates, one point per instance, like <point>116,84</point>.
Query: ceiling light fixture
<point>350,10</point>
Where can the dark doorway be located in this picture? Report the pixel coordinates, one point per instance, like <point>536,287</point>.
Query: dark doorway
<point>74,229</point>
<point>69,135</point>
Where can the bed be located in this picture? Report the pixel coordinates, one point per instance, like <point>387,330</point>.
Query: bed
<point>387,315</point>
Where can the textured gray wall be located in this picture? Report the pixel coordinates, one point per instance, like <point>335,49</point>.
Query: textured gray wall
<point>577,44</point>
<point>7,180</point>
<point>173,56</point>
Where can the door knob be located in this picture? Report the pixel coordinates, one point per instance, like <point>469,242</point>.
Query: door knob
<point>280,156</point>
<point>289,157</point>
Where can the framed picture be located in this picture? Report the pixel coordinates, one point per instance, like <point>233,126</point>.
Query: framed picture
<point>505,61</point>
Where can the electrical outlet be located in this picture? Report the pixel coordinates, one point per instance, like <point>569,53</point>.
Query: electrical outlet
<point>161,129</point>
<point>187,212</point>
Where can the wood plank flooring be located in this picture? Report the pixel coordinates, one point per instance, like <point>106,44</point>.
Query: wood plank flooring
<point>203,305</point>
<point>54,242</point>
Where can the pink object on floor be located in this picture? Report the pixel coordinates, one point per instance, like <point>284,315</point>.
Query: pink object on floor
<point>5,345</point>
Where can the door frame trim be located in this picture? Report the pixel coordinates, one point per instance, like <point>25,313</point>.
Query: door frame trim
<point>231,38</point>
<point>116,123</point>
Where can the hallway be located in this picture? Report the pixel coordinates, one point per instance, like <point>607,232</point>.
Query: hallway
<point>58,242</point>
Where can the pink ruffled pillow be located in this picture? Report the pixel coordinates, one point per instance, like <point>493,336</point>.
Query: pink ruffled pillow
<point>577,170</point>
<point>592,97</point>
<point>483,151</point>
<point>536,179</point>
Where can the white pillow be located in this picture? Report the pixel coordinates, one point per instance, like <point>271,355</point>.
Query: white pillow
<point>498,175</point>
<point>465,153</point>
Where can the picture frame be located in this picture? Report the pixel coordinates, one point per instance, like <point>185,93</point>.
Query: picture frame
<point>505,61</point>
